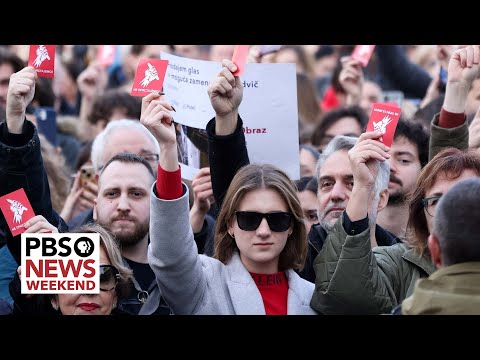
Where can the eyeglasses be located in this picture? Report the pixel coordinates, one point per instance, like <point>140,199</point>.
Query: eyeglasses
<point>430,203</point>
<point>250,220</point>
<point>150,157</point>
<point>109,276</point>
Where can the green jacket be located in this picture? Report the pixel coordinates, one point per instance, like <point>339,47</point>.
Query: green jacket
<point>452,290</point>
<point>441,138</point>
<point>353,279</point>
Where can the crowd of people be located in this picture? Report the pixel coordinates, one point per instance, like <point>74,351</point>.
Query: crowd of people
<point>366,229</point>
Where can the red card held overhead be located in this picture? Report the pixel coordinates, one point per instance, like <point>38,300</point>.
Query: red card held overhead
<point>17,210</point>
<point>384,119</point>
<point>149,76</point>
<point>106,55</point>
<point>42,58</point>
<point>239,58</point>
<point>363,53</point>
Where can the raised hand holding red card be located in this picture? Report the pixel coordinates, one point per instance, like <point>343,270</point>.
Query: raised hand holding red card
<point>42,58</point>
<point>17,210</point>
<point>363,53</point>
<point>239,58</point>
<point>384,119</point>
<point>149,76</point>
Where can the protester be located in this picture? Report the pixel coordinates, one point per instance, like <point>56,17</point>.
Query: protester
<point>454,288</point>
<point>122,135</point>
<point>375,281</point>
<point>409,154</point>
<point>253,269</point>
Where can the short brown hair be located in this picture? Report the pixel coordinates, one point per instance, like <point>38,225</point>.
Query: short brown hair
<point>252,177</point>
<point>451,163</point>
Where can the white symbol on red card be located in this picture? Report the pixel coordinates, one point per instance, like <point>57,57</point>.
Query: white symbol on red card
<point>381,126</point>
<point>17,208</point>
<point>150,74</point>
<point>42,55</point>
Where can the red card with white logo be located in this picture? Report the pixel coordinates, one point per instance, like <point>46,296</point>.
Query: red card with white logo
<point>106,55</point>
<point>149,76</point>
<point>42,58</point>
<point>239,58</point>
<point>363,53</point>
<point>17,210</point>
<point>384,119</point>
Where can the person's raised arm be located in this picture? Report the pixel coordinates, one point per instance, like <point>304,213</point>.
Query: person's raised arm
<point>348,280</point>
<point>450,127</point>
<point>202,198</point>
<point>364,158</point>
<point>227,150</point>
<point>157,119</point>
<point>226,93</point>
<point>91,83</point>
<point>172,252</point>
<point>21,162</point>
<point>20,93</point>
<point>351,79</point>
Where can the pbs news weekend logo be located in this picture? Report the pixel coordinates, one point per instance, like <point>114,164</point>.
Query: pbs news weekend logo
<point>64,263</point>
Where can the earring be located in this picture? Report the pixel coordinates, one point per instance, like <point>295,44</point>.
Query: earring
<point>232,235</point>
<point>114,305</point>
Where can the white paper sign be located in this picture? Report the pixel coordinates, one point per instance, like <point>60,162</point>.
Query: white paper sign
<point>268,109</point>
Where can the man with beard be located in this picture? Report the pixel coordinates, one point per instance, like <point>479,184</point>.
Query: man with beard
<point>409,154</point>
<point>122,205</point>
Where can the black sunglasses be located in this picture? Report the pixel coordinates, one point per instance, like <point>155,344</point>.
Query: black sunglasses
<point>109,276</point>
<point>250,220</point>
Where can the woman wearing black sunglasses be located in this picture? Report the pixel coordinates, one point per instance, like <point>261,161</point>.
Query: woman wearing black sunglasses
<point>115,280</point>
<point>260,236</point>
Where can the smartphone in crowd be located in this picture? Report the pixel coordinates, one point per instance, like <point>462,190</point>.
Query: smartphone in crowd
<point>87,174</point>
<point>47,123</point>
<point>268,49</point>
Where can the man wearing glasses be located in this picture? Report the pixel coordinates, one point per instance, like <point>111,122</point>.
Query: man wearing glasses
<point>455,250</point>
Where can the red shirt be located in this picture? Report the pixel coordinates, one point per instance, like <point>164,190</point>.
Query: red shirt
<point>274,291</point>
<point>169,184</point>
<point>450,120</point>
